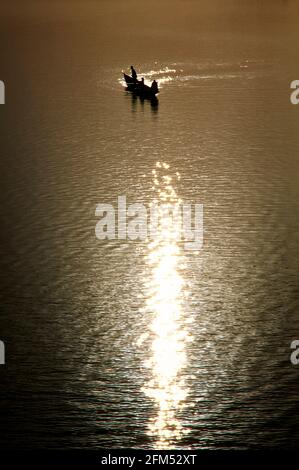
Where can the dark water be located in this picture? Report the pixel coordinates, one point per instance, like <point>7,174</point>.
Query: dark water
<point>121,343</point>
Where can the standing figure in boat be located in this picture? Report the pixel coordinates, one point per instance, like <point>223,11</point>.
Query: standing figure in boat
<point>134,73</point>
<point>154,87</point>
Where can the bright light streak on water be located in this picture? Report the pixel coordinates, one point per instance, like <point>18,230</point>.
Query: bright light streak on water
<point>168,355</point>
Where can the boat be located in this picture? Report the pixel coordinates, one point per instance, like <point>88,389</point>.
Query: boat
<point>130,80</point>
<point>139,88</point>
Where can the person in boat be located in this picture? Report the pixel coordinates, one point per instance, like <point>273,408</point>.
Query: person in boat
<point>154,87</point>
<point>133,72</point>
<point>142,83</point>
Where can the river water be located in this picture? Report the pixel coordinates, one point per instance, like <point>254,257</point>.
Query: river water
<point>121,343</point>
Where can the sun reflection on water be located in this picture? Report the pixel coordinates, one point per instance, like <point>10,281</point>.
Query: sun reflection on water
<point>169,335</point>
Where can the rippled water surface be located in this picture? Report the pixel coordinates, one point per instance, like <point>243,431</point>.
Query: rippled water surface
<point>145,344</point>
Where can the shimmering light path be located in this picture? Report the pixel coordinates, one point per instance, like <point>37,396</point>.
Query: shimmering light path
<point>165,293</point>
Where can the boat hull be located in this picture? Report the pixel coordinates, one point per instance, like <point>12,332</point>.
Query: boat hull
<point>138,88</point>
<point>130,80</point>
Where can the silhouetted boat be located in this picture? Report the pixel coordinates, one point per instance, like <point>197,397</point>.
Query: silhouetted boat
<point>139,88</point>
<point>130,80</point>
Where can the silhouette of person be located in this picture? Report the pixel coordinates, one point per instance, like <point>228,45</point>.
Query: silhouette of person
<point>154,87</point>
<point>134,74</point>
